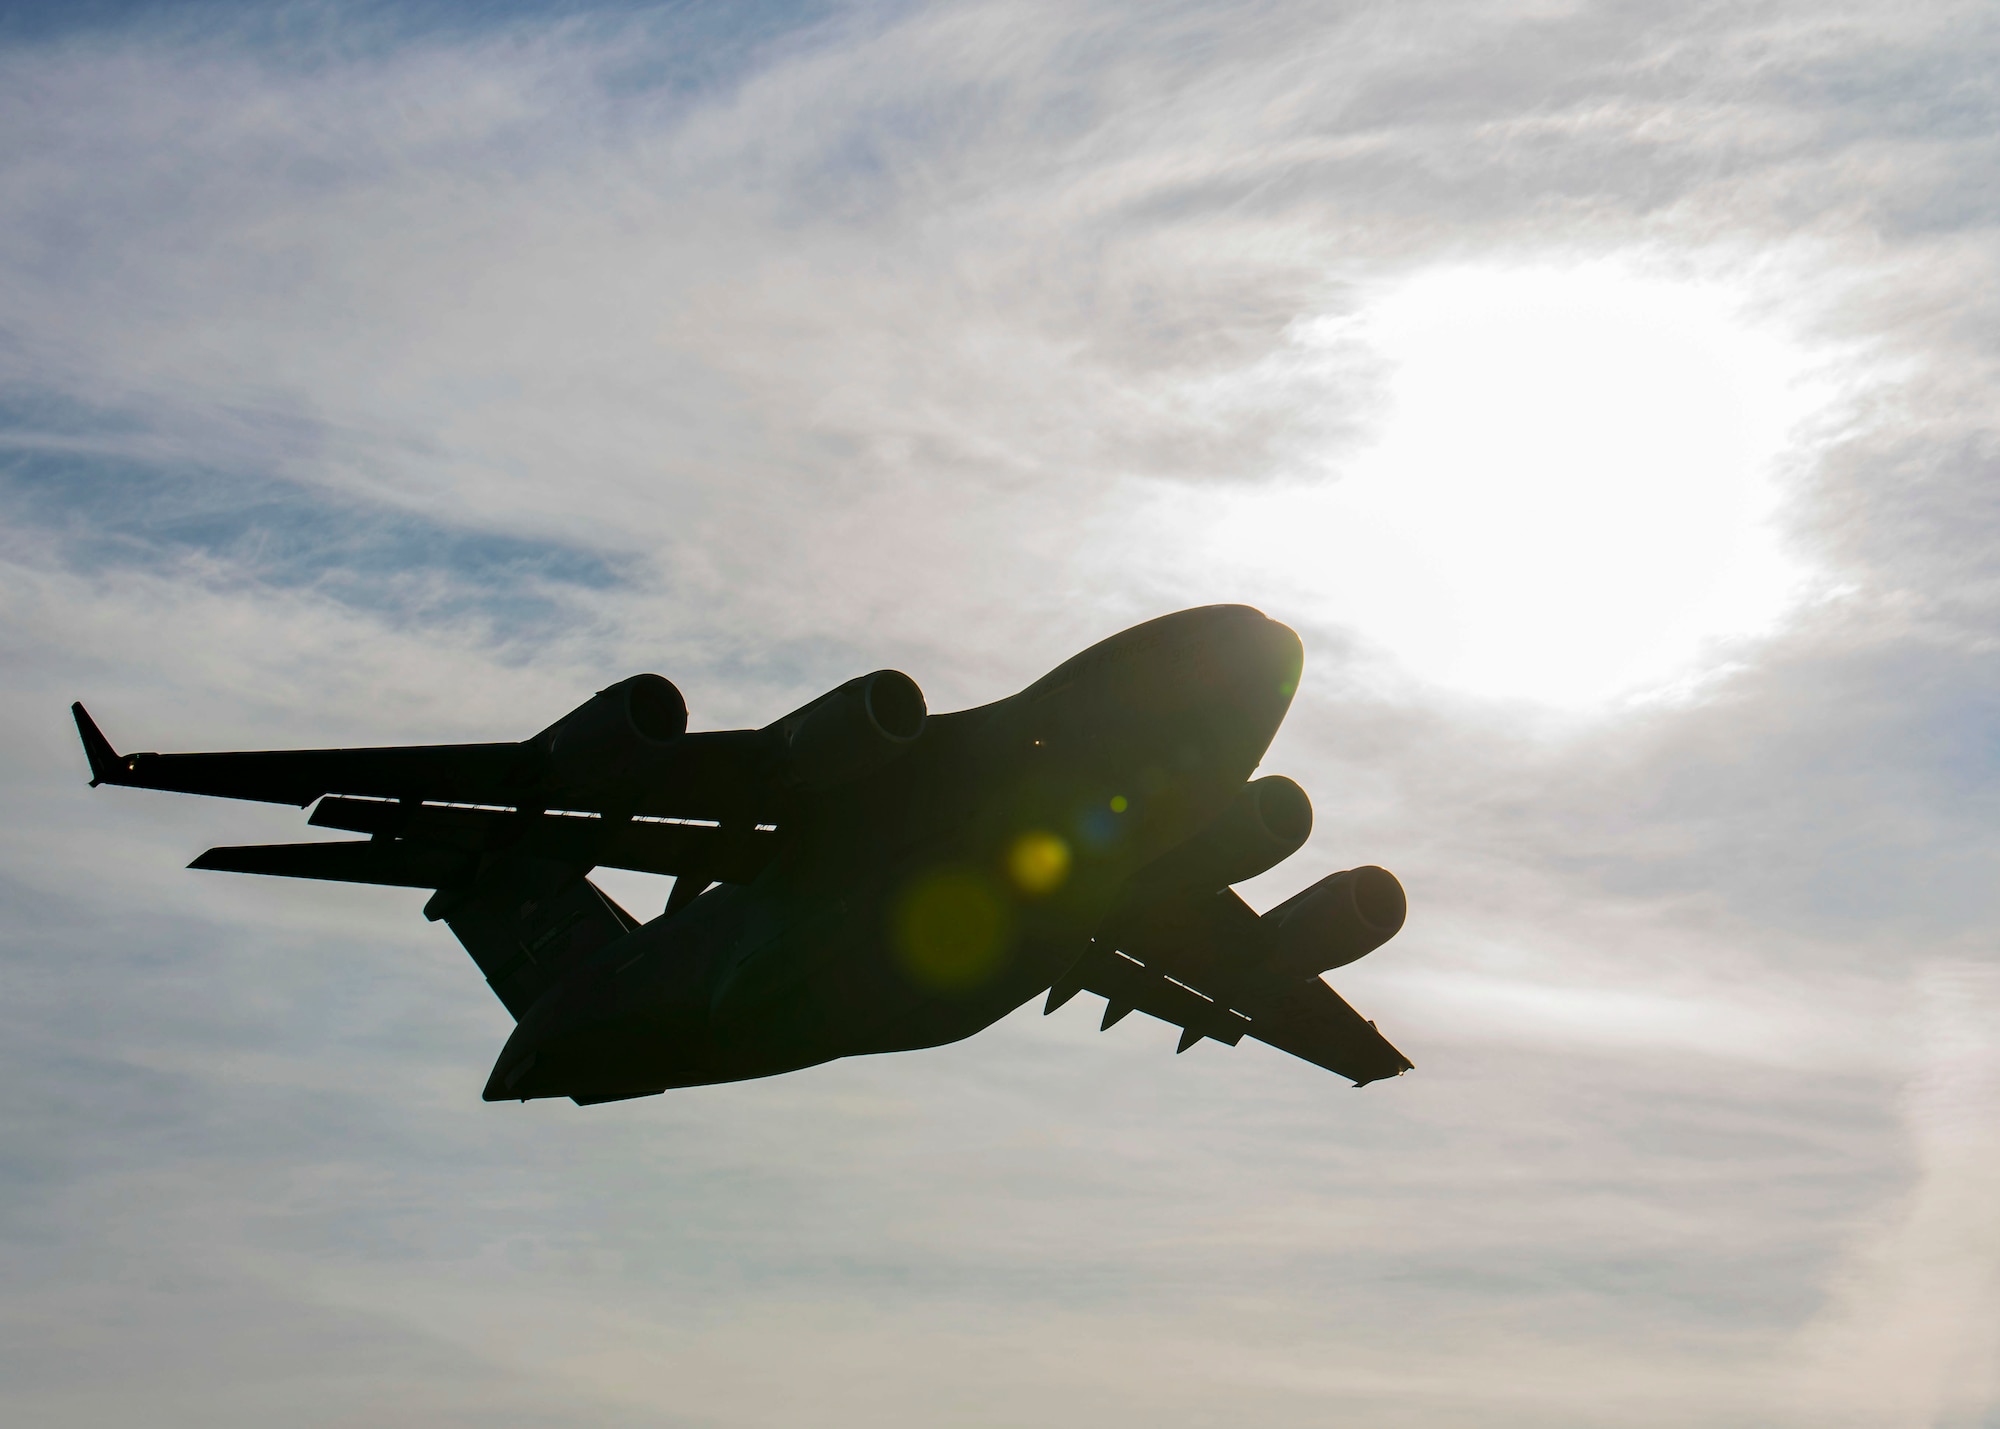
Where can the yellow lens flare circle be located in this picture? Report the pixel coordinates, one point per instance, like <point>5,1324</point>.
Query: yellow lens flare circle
<point>951,930</point>
<point>1038,863</point>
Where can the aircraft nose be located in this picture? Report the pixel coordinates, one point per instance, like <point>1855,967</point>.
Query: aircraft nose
<point>1271,657</point>
<point>1151,732</point>
<point>1239,649</point>
<point>1221,676</point>
<point>1249,670</point>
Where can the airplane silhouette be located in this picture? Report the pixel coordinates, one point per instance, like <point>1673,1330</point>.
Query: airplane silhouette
<point>859,876</point>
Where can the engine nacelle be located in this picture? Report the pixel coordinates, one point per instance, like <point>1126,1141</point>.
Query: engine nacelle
<point>1265,824</point>
<point>616,733</point>
<point>1342,917</point>
<point>855,729</point>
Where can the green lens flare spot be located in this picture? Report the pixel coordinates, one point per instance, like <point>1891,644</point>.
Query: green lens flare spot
<point>1119,804</point>
<point>1038,863</point>
<point>951,930</point>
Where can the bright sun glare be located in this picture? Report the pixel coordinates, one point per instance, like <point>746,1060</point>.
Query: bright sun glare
<point>1569,497</point>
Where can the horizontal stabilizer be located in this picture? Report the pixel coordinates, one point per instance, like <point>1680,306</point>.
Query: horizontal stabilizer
<point>365,861</point>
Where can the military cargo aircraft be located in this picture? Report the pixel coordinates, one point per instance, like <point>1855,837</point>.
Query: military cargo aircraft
<point>859,876</point>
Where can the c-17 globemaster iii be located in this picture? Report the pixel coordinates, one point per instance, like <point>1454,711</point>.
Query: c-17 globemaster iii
<point>859,876</point>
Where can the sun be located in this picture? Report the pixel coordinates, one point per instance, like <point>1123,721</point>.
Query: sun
<point>1570,490</point>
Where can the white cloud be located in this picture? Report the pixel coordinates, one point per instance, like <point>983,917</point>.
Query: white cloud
<point>1908,1337</point>
<point>885,344</point>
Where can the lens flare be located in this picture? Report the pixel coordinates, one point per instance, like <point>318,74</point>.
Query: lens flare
<point>1038,863</point>
<point>951,930</point>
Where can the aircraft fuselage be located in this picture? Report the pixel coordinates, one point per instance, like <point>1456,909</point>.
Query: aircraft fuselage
<point>922,904</point>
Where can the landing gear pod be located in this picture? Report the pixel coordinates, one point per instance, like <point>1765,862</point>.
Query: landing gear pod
<point>616,733</point>
<point>855,729</point>
<point>1342,917</point>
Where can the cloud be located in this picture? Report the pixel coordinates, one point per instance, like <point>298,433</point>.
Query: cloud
<point>1905,1339</point>
<point>370,378</point>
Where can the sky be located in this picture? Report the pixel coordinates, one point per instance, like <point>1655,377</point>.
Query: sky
<point>1605,392</point>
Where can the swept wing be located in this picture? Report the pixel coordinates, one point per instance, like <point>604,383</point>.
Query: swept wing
<point>714,775</point>
<point>1193,961</point>
<point>435,812</point>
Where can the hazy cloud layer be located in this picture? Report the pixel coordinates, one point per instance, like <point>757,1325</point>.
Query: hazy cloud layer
<point>370,376</point>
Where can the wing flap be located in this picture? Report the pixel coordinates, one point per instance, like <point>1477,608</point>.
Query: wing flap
<point>1128,986</point>
<point>712,851</point>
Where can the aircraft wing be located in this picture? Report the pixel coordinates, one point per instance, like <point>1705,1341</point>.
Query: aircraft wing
<point>711,776</point>
<point>438,814</point>
<point>1192,964</point>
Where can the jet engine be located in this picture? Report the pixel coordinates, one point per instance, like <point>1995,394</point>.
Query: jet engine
<point>614,734</point>
<point>1342,917</point>
<point>1265,824</point>
<point>855,729</point>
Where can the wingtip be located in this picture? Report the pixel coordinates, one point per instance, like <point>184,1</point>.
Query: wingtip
<point>1403,1065</point>
<point>96,748</point>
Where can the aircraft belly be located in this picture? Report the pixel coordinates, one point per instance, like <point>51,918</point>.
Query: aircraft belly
<point>744,983</point>
<point>936,1021</point>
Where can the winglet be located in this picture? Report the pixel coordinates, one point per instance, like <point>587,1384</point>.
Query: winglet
<point>105,765</point>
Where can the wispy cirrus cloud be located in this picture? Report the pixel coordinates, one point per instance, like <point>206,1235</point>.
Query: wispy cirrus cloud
<point>372,375</point>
